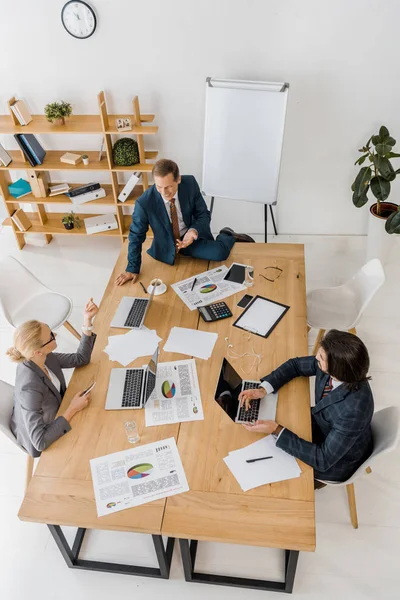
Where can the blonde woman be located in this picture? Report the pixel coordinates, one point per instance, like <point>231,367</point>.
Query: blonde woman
<point>40,383</point>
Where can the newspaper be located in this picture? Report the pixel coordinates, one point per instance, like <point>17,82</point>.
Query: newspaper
<point>176,396</point>
<point>137,476</point>
<point>210,286</point>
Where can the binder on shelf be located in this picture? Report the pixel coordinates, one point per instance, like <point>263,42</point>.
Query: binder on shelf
<point>132,181</point>
<point>84,189</point>
<point>100,223</point>
<point>43,183</point>
<point>21,220</point>
<point>33,181</point>
<point>82,198</point>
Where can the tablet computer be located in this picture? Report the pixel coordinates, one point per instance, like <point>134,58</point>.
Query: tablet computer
<point>236,273</point>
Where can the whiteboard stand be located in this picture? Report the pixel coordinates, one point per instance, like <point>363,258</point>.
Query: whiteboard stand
<point>243,140</point>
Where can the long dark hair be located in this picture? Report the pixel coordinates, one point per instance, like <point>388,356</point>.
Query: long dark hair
<point>347,356</point>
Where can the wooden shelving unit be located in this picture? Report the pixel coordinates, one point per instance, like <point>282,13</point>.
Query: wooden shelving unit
<point>48,223</point>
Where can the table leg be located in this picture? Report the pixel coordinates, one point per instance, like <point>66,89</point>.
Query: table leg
<point>189,550</point>
<point>71,556</point>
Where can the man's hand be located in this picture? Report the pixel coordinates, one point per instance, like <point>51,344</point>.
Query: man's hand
<point>247,396</point>
<point>124,277</point>
<point>189,237</point>
<point>267,427</point>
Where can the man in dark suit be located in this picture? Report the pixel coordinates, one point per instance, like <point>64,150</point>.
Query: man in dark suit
<point>344,405</point>
<point>176,212</point>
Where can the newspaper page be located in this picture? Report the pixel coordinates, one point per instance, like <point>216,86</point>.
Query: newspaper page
<point>210,286</point>
<point>176,396</point>
<point>137,476</point>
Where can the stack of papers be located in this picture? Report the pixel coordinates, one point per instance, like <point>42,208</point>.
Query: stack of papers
<point>191,342</point>
<point>127,347</point>
<point>280,467</point>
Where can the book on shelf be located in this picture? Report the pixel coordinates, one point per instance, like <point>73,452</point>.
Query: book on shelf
<point>129,186</point>
<point>25,150</point>
<point>60,188</point>
<point>123,125</point>
<point>5,158</point>
<point>19,188</point>
<point>70,158</point>
<point>21,220</point>
<point>83,189</point>
<point>21,111</point>
<point>35,149</point>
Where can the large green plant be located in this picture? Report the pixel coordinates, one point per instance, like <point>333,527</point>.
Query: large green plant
<point>125,152</point>
<point>378,175</point>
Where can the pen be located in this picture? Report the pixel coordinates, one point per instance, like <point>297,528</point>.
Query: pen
<point>251,460</point>
<point>144,289</point>
<point>194,281</point>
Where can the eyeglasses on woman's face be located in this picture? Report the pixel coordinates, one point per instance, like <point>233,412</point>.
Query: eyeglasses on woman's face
<point>52,338</point>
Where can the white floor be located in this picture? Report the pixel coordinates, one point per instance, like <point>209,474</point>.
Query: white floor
<point>350,564</point>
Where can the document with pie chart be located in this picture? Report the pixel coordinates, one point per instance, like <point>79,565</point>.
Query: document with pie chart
<point>176,396</point>
<point>136,476</point>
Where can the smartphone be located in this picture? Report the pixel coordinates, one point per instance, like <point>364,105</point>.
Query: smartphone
<point>89,389</point>
<point>244,301</point>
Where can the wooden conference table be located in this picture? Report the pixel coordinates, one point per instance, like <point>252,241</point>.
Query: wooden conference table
<point>279,515</point>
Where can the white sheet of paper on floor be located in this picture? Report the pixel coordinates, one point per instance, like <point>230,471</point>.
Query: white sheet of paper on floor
<point>176,397</point>
<point>127,347</point>
<point>191,342</point>
<point>251,475</point>
<point>137,476</point>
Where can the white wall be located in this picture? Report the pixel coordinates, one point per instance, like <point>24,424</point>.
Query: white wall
<point>340,58</point>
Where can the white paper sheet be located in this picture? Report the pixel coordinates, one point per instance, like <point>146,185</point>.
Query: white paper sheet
<point>176,396</point>
<point>251,475</point>
<point>127,347</point>
<point>209,287</point>
<point>261,316</point>
<point>191,342</point>
<point>137,476</point>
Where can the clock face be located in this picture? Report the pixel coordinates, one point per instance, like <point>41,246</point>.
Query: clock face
<point>78,19</point>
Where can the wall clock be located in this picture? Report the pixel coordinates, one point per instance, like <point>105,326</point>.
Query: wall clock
<point>79,19</point>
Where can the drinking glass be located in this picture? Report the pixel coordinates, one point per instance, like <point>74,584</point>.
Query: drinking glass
<point>131,432</point>
<point>249,276</point>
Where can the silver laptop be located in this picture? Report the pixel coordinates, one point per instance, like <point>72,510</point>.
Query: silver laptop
<point>131,312</point>
<point>230,384</point>
<point>131,388</point>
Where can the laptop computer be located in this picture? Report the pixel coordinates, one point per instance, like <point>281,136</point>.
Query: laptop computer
<point>230,385</point>
<point>131,388</point>
<point>131,312</point>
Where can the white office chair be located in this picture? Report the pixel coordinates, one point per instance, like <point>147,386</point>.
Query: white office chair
<point>341,307</point>
<point>24,297</point>
<point>6,408</point>
<point>386,437</point>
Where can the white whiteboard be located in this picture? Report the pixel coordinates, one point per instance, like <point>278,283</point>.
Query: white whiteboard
<point>243,138</point>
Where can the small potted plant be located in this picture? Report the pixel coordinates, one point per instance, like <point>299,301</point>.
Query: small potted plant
<point>384,216</point>
<point>69,221</point>
<point>57,111</point>
<point>85,159</point>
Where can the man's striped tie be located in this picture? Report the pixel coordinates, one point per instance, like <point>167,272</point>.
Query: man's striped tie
<point>174,220</point>
<point>328,387</point>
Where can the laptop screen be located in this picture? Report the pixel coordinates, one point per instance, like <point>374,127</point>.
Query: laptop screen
<point>151,375</point>
<point>228,390</point>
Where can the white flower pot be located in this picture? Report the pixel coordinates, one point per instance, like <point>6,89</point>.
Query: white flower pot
<point>379,242</point>
<point>85,161</point>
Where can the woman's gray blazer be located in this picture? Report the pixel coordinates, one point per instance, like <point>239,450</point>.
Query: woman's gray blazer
<point>36,400</point>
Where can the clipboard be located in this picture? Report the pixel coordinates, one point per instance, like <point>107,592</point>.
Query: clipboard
<point>261,316</point>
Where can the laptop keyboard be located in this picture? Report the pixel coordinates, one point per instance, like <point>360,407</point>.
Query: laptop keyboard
<point>132,388</point>
<point>135,316</point>
<point>246,416</point>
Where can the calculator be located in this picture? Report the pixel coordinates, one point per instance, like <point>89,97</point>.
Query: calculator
<point>215,312</point>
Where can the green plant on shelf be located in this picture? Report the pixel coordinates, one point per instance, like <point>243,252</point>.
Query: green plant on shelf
<point>70,220</point>
<point>125,152</point>
<point>57,111</point>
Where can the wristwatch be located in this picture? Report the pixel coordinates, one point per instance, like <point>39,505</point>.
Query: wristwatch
<point>87,328</point>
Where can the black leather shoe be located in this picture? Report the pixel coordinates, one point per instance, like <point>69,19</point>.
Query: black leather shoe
<point>239,237</point>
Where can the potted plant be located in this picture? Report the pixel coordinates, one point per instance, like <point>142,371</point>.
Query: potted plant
<point>57,111</point>
<point>384,216</point>
<point>85,159</point>
<point>125,152</point>
<point>69,221</point>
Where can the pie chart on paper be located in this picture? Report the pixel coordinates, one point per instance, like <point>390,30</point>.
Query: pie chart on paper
<point>209,287</point>
<point>168,389</point>
<point>139,471</point>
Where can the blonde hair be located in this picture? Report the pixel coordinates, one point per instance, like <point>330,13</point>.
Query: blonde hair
<point>27,339</point>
